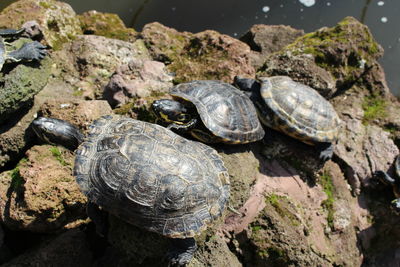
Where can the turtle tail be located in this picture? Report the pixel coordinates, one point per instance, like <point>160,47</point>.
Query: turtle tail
<point>57,132</point>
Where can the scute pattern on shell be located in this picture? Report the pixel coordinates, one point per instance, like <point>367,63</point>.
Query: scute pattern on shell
<point>299,111</point>
<point>151,177</point>
<point>226,111</point>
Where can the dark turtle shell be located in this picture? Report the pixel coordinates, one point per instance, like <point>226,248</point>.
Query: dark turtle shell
<point>226,111</point>
<point>298,110</point>
<point>151,177</point>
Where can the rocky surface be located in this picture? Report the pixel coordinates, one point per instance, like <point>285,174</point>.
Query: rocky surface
<point>203,55</point>
<point>58,21</point>
<point>107,25</point>
<point>20,85</point>
<point>88,62</point>
<point>286,208</point>
<point>137,79</point>
<point>267,39</point>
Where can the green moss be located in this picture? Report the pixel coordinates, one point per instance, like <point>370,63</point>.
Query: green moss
<point>16,179</point>
<point>374,107</point>
<point>57,154</point>
<point>326,182</point>
<point>45,5</point>
<point>280,204</point>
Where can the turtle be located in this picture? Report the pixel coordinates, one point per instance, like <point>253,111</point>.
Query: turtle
<point>211,111</point>
<point>148,176</point>
<point>31,51</point>
<point>294,109</point>
<point>393,181</point>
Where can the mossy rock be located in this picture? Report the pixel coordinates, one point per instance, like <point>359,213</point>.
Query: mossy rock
<point>21,84</point>
<point>206,55</point>
<point>56,19</point>
<point>107,25</point>
<point>346,51</point>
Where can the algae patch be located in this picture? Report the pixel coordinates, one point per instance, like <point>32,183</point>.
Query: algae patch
<point>57,154</point>
<point>374,107</point>
<point>327,184</point>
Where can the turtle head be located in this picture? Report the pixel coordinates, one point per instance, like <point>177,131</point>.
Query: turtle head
<point>172,111</point>
<point>57,132</point>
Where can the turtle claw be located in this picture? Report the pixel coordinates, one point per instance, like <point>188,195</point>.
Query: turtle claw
<point>30,51</point>
<point>395,204</point>
<point>326,151</point>
<point>181,252</point>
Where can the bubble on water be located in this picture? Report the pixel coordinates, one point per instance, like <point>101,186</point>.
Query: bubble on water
<point>173,8</point>
<point>328,3</point>
<point>384,19</point>
<point>256,17</point>
<point>281,5</point>
<point>380,3</point>
<point>307,3</point>
<point>301,10</point>
<point>265,9</point>
<point>235,34</point>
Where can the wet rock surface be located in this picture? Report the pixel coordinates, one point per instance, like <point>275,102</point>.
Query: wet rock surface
<point>286,208</point>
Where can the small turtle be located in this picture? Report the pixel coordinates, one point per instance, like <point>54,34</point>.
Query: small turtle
<point>394,182</point>
<point>146,175</point>
<point>28,52</point>
<point>294,109</point>
<point>211,111</point>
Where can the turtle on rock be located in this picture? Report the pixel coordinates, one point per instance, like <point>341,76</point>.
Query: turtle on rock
<point>147,176</point>
<point>392,181</point>
<point>294,109</point>
<point>211,111</point>
<point>28,52</point>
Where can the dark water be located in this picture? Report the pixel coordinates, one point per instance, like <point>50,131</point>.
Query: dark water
<point>235,17</point>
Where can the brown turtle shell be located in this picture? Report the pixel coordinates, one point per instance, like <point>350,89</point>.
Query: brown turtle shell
<point>151,177</point>
<point>225,110</point>
<point>298,110</point>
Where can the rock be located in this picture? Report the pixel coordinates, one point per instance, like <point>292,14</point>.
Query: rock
<point>89,61</point>
<point>40,194</point>
<point>199,56</point>
<point>281,223</point>
<point>137,79</point>
<point>266,39</point>
<point>362,148</point>
<point>20,85</point>
<point>107,25</point>
<point>346,51</point>
<point>78,112</point>
<point>68,249</point>
<point>32,30</point>
<point>57,20</point>
<point>15,135</point>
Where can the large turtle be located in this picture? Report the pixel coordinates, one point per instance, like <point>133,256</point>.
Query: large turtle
<point>393,181</point>
<point>28,52</point>
<point>148,176</point>
<point>212,111</point>
<point>294,109</point>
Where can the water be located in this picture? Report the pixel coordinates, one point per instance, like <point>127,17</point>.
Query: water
<point>235,17</point>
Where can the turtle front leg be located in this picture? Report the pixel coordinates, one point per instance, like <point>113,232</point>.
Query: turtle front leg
<point>326,151</point>
<point>185,126</point>
<point>384,177</point>
<point>99,218</point>
<point>181,251</point>
<point>29,51</point>
<point>396,205</point>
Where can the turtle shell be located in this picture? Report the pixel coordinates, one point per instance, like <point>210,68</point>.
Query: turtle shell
<point>151,177</point>
<point>2,52</point>
<point>298,110</point>
<point>226,111</point>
